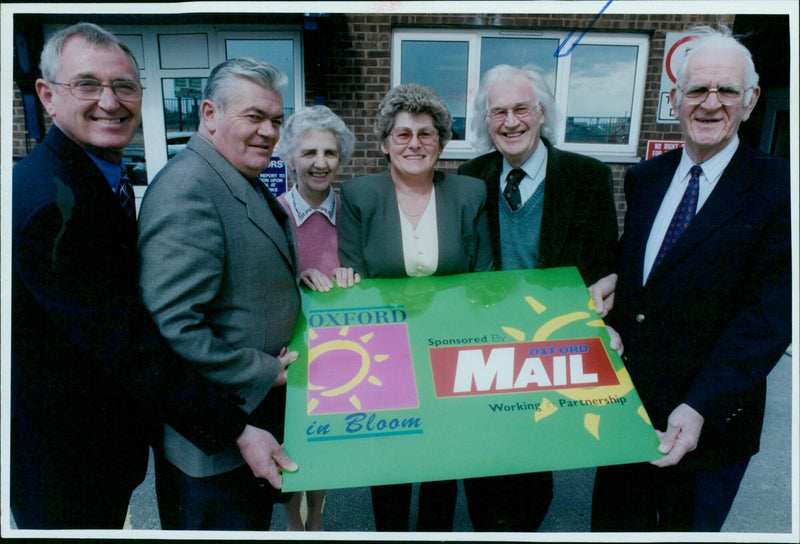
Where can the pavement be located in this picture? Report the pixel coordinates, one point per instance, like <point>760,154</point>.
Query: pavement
<point>763,504</point>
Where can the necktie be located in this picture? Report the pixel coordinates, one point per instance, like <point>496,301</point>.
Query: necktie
<point>511,192</point>
<point>126,195</point>
<point>683,216</point>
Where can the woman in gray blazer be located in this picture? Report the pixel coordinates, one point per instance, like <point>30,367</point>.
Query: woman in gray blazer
<point>412,220</point>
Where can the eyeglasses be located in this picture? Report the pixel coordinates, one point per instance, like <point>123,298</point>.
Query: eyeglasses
<point>727,96</point>
<point>91,89</point>
<point>521,111</point>
<point>426,136</point>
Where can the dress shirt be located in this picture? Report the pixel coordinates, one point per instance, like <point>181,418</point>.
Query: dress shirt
<point>712,171</point>
<point>301,210</point>
<point>111,171</point>
<point>535,169</point>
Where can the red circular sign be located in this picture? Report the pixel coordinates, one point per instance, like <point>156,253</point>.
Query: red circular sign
<point>672,50</point>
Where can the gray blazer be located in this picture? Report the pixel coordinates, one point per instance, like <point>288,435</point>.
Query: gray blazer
<point>219,277</point>
<point>370,240</point>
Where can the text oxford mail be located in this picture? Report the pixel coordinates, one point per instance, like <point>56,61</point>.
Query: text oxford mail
<point>526,366</point>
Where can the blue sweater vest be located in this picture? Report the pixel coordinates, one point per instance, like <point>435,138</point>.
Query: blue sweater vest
<point>519,232</point>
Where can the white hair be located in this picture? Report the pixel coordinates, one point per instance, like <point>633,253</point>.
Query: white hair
<point>502,73</point>
<point>716,39</point>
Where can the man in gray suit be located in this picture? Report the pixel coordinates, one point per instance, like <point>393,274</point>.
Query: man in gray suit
<point>219,276</point>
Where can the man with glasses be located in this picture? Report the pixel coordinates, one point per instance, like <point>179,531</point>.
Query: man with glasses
<point>89,371</point>
<point>546,208</point>
<point>702,301</point>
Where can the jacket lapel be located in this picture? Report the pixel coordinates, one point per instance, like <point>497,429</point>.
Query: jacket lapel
<point>725,203</point>
<point>272,220</point>
<point>491,176</point>
<point>644,198</point>
<point>559,198</point>
<point>92,183</point>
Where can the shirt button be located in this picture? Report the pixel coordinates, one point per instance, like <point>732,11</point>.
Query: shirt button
<point>640,318</point>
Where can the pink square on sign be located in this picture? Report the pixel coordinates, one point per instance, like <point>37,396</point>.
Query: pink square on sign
<point>360,369</point>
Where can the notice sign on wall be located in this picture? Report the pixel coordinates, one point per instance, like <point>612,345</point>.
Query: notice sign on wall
<point>274,176</point>
<point>657,147</point>
<point>676,45</point>
<point>420,379</point>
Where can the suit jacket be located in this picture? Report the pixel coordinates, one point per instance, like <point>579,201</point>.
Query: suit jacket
<point>219,275</point>
<point>715,316</point>
<point>89,369</point>
<point>579,222</point>
<point>370,239</point>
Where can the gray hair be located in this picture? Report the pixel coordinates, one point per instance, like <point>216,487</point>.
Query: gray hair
<point>314,118</point>
<point>50,63</point>
<point>502,73</point>
<point>414,99</point>
<point>223,79</point>
<point>718,39</point>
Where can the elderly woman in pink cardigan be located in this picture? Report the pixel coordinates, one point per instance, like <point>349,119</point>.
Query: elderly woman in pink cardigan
<point>315,143</point>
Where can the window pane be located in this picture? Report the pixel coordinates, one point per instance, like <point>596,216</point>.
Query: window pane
<point>182,97</point>
<point>183,51</point>
<point>133,159</point>
<point>519,52</point>
<point>601,85</point>
<point>443,67</point>
<point>277,52</point>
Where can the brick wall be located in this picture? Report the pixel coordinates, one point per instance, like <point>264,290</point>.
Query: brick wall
<point>356,72</point>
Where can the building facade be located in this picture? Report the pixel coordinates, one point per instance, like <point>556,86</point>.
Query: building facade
<point>607,71</point>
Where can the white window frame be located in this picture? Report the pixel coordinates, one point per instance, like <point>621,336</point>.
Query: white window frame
<point>152,73</point>
<point>455,149</point>
<point>462,149</point>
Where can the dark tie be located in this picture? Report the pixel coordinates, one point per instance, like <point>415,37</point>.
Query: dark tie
<point>126,195</point>
<point>511,192</point>
<point>683,216</point>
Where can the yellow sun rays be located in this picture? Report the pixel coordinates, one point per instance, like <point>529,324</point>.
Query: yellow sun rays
<point>591,421</point>
<point>344,344</point>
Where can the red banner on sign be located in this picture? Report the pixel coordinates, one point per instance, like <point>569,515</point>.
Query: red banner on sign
<point>526,366</point>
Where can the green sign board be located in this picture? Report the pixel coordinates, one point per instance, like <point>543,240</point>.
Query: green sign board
<point>448,377</point>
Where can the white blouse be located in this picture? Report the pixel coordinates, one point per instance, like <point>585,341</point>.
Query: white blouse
<point>421,245</point>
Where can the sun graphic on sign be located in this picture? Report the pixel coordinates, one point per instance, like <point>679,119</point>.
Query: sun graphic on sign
<point>346,374</point>
<point>591,421</point>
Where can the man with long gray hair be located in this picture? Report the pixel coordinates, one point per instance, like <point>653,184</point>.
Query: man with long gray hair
<point>546,208</point>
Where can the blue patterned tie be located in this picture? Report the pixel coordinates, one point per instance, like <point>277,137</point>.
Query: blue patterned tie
<point>683,216</point>
<point>511,192</point>
<point>126,195</point>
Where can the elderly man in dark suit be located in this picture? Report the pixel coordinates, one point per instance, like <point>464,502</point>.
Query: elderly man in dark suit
<point>219,275</point>
<point>546,208</point>
<point>705,312</point>
<point>90,373</point>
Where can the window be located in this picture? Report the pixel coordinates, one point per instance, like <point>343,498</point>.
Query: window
<point>181,98</point>
<point>283,53</point>
<point>447,74</point>
<point>599,85</point>
<point>175,61</point>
